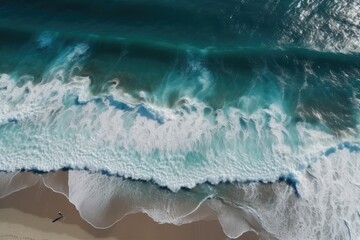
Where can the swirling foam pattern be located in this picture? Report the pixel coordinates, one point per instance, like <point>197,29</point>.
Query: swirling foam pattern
<point>60,124</point>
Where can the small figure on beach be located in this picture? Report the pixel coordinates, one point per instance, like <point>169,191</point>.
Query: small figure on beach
<point>58,218</point>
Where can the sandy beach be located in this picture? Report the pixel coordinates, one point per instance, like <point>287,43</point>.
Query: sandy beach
<point>28,214</point>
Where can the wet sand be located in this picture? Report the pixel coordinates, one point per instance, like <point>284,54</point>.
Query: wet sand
<point>28,214</point>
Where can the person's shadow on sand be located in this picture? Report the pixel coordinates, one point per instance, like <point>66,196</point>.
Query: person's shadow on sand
<point>58,218</point>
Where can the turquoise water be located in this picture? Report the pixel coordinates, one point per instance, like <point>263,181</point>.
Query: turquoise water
<point>182,93</point>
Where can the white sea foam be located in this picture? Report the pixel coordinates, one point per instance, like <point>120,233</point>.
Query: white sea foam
<point>59,123</point>
<point>187,149</point>
<point>121,197</point>
<point>326,208</point>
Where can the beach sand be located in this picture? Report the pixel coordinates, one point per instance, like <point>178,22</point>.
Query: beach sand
<point>28,214</point>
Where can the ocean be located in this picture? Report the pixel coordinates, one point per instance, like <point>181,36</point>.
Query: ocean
<point>242,111</point>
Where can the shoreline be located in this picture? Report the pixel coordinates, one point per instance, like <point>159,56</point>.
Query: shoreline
<point>27,214</point>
